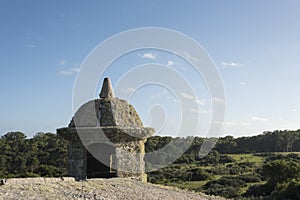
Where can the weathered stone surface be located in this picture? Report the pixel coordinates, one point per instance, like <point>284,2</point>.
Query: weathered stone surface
<point>39,180</point>
<point>101,189</point>
<point>106,112</point>
<point>109,121</point>
<point>107,89</point>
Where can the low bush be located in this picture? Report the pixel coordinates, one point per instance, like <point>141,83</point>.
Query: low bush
<point>226,186</point>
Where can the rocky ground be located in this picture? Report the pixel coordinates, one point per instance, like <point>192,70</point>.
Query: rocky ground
<point>102,189</point>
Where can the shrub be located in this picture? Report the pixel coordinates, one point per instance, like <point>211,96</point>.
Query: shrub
<point>286,190</point>
<point>199,174</point>
<point>27,174</point>
<point>226,186</point>
<point>49,171</point>
<point>259,190</point>
<point>250,178</point>
<point>280,171</point>
<point>226,159</point>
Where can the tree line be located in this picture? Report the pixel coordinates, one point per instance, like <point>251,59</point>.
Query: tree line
<point>276,141</point>
<point>45,154</point>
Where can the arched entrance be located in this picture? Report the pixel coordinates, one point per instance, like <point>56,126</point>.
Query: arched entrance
<point>100,161</point>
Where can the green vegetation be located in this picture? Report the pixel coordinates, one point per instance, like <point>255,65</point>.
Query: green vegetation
<point>258,167</point>
<point>274,176</point>
<point>43,155</point>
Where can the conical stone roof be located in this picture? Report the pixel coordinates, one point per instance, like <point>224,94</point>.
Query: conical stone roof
<point>106,112</point>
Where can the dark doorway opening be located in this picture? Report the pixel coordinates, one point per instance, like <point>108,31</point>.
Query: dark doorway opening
<point>101,161</point>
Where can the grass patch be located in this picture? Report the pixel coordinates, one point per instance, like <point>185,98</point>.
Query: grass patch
<point>242,158</point>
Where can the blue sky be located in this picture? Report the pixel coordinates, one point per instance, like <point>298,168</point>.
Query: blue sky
<point>255,45</point>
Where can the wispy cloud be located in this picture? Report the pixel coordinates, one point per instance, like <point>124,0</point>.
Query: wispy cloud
<point>127,90</point>
<point>231,64</point>
<point>163,94</point>
<point>200,101</point>
<point>194,110</point>
<point>217,100</point>
<point>149,55</point>
<point>62,62</point>
<point>193,98</point>
<point>68,72</point>
<point>30,45</point>
<point>198,111</point>
<point>189,56</point>
<point>242,83</point>
<point>232,123</point>
<point>259,119</point>
<point>187,96</point>
<point>170,63</point>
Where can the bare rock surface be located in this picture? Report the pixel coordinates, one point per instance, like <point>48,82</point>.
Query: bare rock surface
<point>101,189</point>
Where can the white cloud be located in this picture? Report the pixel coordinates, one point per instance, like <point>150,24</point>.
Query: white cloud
<point>187,96</point>
<point>170,63</point>
<point>189,56</point>
<point>242,83</point>
<point>176,100</point>
<point>127,90</point>
<point>194,110</point>
<point>76,69</point>
<point>62,62</point>
<point>193,98</point>
<point>200,112</point>
<point>232,123</point>
<point>217,100</point>
<point>231,64</point>
<point>149,55</point>
<point>200,101</point>
<point>165,95</point>
<point>69,71</point>
<point>30,45</point>
<point>293,110</point>
<point>259,119</point>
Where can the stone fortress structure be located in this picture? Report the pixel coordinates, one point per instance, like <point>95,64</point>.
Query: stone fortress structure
<point>106,139</point>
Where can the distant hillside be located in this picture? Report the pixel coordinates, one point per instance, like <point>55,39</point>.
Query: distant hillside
<point>104,189</point>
